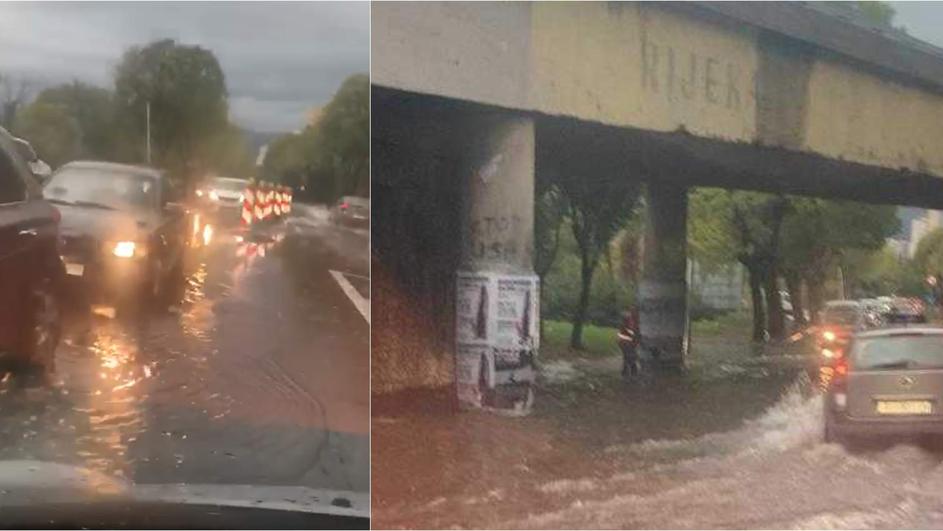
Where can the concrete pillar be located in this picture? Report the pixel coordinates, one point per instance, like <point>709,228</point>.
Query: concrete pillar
<point>663,309</point>
<point>497,310</point>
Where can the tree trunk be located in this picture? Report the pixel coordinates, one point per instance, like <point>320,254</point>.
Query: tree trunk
<point>816,297</point>
<point>756,297</point>
<point>774,306</point>
<point>586,281</point>
<point>794,287</point>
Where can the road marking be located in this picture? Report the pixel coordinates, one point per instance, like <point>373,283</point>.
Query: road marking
<point>362,304</point>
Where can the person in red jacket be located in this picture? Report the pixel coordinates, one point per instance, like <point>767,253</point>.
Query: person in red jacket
<point>629,340</point>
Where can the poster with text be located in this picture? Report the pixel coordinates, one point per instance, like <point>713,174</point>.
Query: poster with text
<point>473,313</point>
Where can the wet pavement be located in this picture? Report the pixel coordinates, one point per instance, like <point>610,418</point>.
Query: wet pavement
<point>257,375</point>
<point>728,445</point>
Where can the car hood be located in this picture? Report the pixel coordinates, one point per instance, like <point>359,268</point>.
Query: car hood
<point>104,224</point>
<point>28,482</point>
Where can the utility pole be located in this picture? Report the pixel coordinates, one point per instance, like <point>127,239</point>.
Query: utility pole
<point>148,110</point>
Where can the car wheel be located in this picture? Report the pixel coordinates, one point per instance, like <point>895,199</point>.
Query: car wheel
<point>42,329</point>
<point>173,286</point>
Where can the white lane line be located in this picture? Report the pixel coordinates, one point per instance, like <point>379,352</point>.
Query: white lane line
<point>362,304</point>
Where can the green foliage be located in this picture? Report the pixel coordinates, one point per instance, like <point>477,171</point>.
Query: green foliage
<point>344,137</point>
<point>877,12</point>
<point>92,109</point>
<point>597,340</point>
<point>53,132</point>
<point>186,90</point>
<point>549,209</point>
<point>818,233</point>
<point>331,158</point>
<point>881,272</point>
<point>610,294</point>
<point>928,257</point>
<point>711,235</point>
<point>191,135</point>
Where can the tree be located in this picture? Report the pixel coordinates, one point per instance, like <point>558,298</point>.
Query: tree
<point>747,227</point>
<point>186,90</point>
<point>343,135</point>
<point>597,208</point>
<point>877,12</point>
<point>820,235</point>
<point>51,130</point>
<point>928,257</point>
<point>331,156</point>
<point>92,110</point>
<point>549,210</point>
<point>14,93</point>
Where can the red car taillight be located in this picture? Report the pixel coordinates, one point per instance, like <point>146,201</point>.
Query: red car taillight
<point>834,376</point>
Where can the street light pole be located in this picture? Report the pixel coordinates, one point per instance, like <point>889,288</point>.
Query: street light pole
<point>148,110</point>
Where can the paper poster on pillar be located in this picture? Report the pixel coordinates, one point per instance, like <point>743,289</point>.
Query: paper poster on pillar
<point>517,319</point>
<point>469,381</point>
<point>473,308</point>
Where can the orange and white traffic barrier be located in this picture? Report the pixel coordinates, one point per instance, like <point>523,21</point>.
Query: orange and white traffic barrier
<point>248,204</point>
<point>263,199</point>
<point>258,208</point>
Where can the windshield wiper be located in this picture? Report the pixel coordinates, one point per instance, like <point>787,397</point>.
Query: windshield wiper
<point>93,204</point>
<point>59,201</point>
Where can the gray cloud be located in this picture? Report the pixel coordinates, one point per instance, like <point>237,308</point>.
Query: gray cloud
<point>923,20</point>
<point>280,58</point>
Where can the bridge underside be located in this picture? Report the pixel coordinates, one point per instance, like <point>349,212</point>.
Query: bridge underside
<point>427,156</point>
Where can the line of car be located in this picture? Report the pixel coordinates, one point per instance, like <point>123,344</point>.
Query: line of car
<point>881,372</point>
<point>91,232</point>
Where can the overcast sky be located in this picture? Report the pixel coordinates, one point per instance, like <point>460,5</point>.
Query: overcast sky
<point>923,20</point>
<point>280,59</point>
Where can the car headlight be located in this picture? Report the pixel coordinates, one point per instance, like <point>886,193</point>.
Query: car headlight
<point>199,193</point>
<point>128,249</point>
<point>242,197</point>
<point>828,335</point>
<point>213,195</point>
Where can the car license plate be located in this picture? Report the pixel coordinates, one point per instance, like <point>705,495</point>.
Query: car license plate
<point>904,407</point>
<point>76,270</point>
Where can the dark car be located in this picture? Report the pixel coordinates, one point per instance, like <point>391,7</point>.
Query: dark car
<point>352,211</point>
<point>123,239</point>
<point>887,382</point>
<point>903,310</point>
<point>837,323</point>
<point>30,268</point>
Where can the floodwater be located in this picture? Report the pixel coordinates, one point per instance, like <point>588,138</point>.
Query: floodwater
<point>739,446</point>
<point>257,375</point>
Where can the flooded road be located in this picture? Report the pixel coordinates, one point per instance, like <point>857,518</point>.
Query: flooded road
<point>710,449</point>
<point>257,375</point>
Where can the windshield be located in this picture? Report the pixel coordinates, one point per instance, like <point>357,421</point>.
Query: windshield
<point>114,189</point>
<point>841,316</point>
<point>905,351</point>
<point>230,185</point>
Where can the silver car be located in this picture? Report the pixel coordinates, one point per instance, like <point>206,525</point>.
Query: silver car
<point>886,382</point>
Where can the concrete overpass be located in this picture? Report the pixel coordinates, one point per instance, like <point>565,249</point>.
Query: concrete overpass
<point>471,99</point>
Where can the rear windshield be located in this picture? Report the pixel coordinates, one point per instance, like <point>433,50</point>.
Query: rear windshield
<point>899,352</point>
<point>231,185</point>
<point>841,316</point>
